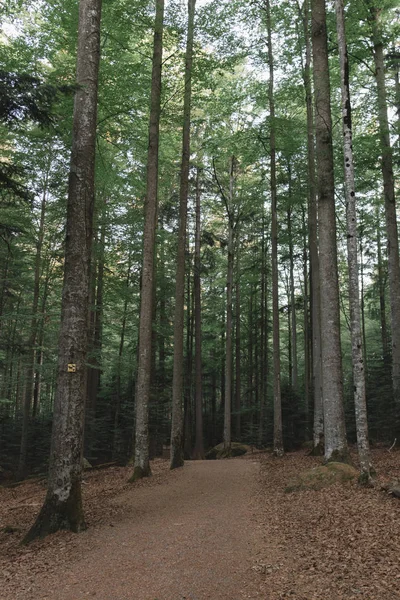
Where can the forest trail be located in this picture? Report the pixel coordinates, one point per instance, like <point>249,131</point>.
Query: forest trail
<point>193,537</point>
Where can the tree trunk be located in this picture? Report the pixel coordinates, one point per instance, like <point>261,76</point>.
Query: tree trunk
<point>352,258</point>
<point>117,442</point>
<point>318,427</point>
<point>238,357</point>
<point>278,436</point>
<point>94,369</point>
<point>62,508</point>
<point>292,297</point>
<point>390,203</point>
<point>188,376</point>
<point>142,460</point>
<point>382,295</point>
<point>177,382</point>
<point>198,452</point>
<point>30,374</point>
<point>335,433</point>
<point>306,328</point>
<point>229,316</point>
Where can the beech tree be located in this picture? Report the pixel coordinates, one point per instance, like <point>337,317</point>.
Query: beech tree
<point>352,253</point>
<point>278,439</point>
<point>334,425</point>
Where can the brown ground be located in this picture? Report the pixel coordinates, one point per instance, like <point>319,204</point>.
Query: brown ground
<point>220,530</point>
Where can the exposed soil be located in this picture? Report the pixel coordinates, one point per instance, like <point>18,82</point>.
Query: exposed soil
<point>220,530</point>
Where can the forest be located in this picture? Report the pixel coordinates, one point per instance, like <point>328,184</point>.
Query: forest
<point>199,250</point>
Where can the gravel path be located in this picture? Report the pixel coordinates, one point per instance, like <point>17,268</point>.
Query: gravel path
<point>194,537</point>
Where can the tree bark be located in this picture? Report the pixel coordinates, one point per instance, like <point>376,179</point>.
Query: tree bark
<point>318,427</point>
<point>238,369</point>
<point>198,452</point>
<point>30,374</point>
<point>335,433</point>
<point>177,380</point>
<point>142,459</point>
<point>382,295</point>
<point>360,402</point>
<point>62,507</point>
<point>390,203</point>
<point>278,435</point>
<point>229,316</point>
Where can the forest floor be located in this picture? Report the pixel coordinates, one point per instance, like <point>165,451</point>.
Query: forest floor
<point>218,530</point>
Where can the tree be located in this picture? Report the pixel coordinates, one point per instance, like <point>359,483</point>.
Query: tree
<point>278,439</point>
<point>335,434</point>
<point>62,508</point>
<point>198,452</point>
<point>177,385</point>
<point>390,199</point>
<point>352,254</point>
<point>142,464</point>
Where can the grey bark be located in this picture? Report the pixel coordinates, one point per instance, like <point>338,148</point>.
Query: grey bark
<point>62,507</point>
<point>198,452</point>
<point>352,254</point>
<point>318,427</point>
<point>142,459</point>
<point>335,433</point>
<point>278,436</point>
<point>30,373</point>
<point>390,202</point>
<point>177,379</point>
<point>238,357</point>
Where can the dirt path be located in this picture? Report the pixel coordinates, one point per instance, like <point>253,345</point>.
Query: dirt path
<point>194,537</point>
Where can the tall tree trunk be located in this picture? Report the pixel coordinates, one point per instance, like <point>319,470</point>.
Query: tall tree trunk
<point>278,436</point>
<point>238,357</point>
<point>62,508</point>
<point>262,341</point>
<point>188,376</point>
<point>390,202</point>
<point>94,370</point>
<point>335,433</point>
<point>229,316</point>
<point>117,442</point>
<point>142,460</point>
<point>292,297</point>
<point>318,427</point>
<point>382,295</point>
<point>198,452</point>
<point>306,328</point>
<point>38,374</point>
<point>30,373</point>
<point>352,258</point>
<point>177,381</point>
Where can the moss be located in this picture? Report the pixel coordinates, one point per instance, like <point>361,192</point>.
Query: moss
<point>56,515</point>
<point>365,479</point>
<point>323,476</point>
<point>177,461</point>
<point>317,450</point>
<point>140,473</point>
<point>340,456</point>
<point>220,451</point>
